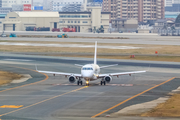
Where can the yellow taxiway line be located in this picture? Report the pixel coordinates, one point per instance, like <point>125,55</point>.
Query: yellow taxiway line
<point>32,84</point>
<point>44,101</point>
<point>11,106</point>
<point>132,98</point>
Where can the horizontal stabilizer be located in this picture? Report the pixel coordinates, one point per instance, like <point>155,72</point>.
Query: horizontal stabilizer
<point>108,66</point>
<point>78,65</point>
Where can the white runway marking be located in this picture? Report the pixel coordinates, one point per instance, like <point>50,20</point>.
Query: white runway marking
<point>126,85</point>
<point>69,45</point>
<point>17,60</point>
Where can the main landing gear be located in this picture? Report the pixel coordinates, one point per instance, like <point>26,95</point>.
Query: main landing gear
<point>103,82</point>
<point>79,82</point>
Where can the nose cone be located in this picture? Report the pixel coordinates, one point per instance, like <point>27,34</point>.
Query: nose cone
<point>87,74</point>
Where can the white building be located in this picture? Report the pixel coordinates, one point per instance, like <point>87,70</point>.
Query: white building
<point>9,3</point>
<point>57,5</point>
<point>176,1</point>
<point>168,3</point>
<point>85,21</point>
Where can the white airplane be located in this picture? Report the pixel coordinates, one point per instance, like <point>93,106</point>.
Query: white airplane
<point>91,72</point>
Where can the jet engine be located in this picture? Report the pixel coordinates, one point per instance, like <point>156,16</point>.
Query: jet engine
<point>107,78</point>
<point>72,79</point>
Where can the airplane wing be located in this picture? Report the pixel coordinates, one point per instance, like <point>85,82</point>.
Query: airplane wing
<point>60,73</point>
<point>122,73</point>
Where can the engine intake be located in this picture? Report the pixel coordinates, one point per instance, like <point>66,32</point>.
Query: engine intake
<point>72,79</point>
<point>107,78</point>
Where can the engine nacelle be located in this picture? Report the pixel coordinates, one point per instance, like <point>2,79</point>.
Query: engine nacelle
<point>107,78</point>
<point>72,79</point>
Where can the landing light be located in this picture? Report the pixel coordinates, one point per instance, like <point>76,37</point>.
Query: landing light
<point>87,82</point>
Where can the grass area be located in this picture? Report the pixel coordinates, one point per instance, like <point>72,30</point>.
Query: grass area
<point>172,52</point>
<point>171,108</point>
<point>7,77</point>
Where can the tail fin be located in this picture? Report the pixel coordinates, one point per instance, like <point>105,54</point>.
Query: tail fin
<point>95,53</point>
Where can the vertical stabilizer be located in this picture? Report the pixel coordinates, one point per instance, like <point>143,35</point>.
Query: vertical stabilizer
<point>95,53</point>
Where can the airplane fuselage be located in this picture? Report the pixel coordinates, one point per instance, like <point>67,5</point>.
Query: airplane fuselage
<point>90,72</point>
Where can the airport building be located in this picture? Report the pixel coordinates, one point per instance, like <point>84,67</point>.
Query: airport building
<point>82,21</point>
<point>85,21</point>
<point>18,21</point>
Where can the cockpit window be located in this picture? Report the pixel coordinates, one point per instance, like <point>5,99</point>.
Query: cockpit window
<point>87,68</point>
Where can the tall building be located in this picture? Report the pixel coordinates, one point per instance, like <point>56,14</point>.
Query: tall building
<point>72,8</point>
<point>142,10</point>
<point>9,3</point>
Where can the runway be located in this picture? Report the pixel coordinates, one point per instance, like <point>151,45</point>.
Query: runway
<point>52,97</point>
<point>133,39</point>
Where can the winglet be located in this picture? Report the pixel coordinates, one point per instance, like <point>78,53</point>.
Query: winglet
<point>36,67</point>
<point>148,68</point>
<point>95,53</point>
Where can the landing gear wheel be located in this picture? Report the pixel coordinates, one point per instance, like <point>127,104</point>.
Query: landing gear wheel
<point>101,82</point>
<point>104,82</point>
<point>81,82</point>
<point>77,82</point>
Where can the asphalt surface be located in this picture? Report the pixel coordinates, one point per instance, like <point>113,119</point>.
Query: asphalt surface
<point>55,98</point>
<point>133,39</point>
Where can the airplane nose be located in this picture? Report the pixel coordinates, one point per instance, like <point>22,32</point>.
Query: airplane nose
<point>87,74</point>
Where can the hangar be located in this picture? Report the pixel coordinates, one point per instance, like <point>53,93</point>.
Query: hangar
<point>85,21</point>
<point>18,21</point>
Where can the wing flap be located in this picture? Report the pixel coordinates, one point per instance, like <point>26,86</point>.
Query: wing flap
<point>60,73</point>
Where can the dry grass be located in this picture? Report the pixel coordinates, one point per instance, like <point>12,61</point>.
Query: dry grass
<point>7,77</point>
<point>171,108</point>
<point>173,51</point>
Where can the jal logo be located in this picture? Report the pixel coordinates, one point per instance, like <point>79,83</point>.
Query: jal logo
<point>27,7</point>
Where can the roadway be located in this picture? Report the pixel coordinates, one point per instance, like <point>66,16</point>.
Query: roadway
<point>134,38</point>
<point>53,97</point>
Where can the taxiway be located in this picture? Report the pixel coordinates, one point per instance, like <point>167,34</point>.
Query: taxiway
<point>48,97</point>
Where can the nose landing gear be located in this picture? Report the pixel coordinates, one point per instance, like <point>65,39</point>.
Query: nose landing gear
<point>87,83</point>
